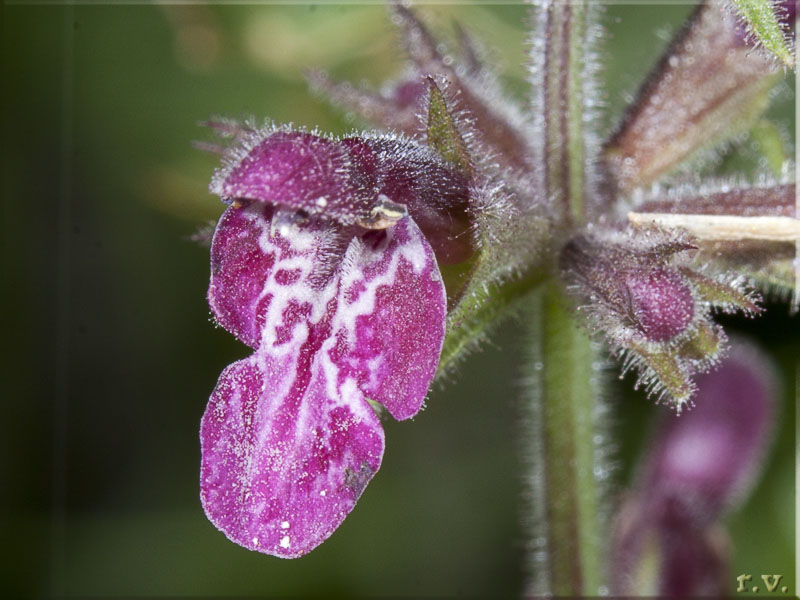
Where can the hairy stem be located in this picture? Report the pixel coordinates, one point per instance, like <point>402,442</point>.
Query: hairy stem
<point>564,93</point>
<point>562,105</point>
<point>565,439</point>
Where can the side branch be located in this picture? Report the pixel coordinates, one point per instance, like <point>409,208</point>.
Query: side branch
<point>725,227</point>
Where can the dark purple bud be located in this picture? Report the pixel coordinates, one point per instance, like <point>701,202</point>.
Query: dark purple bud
<point>632,285</point>
<point>662,304</point>
<point>709,456</point>
<point>643,293</point>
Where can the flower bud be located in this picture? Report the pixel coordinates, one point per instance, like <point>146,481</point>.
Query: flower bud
<point>639,294</point>
<point>661,301</point>
<point>652,304</point>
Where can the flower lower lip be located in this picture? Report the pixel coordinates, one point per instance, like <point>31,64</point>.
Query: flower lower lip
<point>288,435</point>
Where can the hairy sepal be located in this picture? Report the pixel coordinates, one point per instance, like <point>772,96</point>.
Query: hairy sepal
<point>499,126</point>
<point>738,227</point>
<point>442,131</point>
<point>642,291</point>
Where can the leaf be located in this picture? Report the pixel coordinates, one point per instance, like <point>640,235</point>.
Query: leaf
<point>722,295</point>
<point>664,370</point>
<point>770,145</point>
<point>765,26</point>
<point>443,133</point>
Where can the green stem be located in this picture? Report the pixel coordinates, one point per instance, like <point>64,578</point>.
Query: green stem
<point>565,444</point>
<point>564,27</point>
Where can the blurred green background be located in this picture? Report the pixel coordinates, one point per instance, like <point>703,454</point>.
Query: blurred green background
<point>110,354</point>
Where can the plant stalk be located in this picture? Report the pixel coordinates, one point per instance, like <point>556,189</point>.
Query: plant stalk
<point>565,450</point>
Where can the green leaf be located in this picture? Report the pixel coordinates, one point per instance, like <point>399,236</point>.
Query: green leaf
<point>442,131</point>
<point>667,371</point>
<point>763,24</point>
<point>721,295</point>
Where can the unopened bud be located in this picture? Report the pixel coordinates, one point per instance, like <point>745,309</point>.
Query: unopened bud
<point>661,301</point>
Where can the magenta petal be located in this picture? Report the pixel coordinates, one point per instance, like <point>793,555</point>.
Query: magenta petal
<point>238,270</point>
<point>386,293</point>
<point>247,246</point>
<point>301,171</point>
<point>288,439</point>
<point>283,460</point>
<point>391,319</point>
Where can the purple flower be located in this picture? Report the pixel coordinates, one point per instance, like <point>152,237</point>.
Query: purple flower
<point>668,540</point>
<point>337,290</point>
<point>327,264</point>
<point>710,456</point>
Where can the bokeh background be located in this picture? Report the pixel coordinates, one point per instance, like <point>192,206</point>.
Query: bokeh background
<point>110,354</point>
